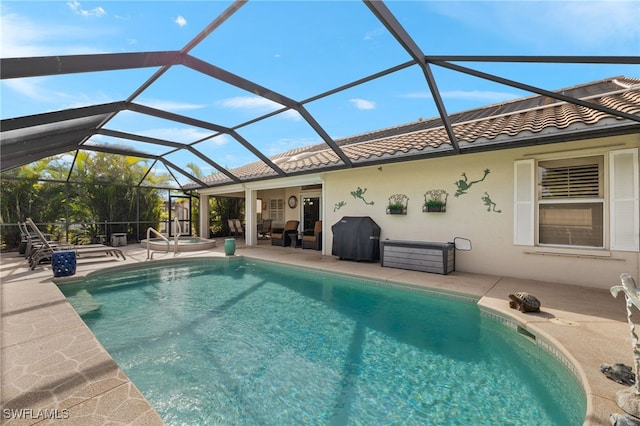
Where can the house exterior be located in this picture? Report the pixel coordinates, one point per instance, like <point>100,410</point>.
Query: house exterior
<point>544,189</point>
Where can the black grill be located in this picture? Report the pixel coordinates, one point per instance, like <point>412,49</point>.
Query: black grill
<point>356,238</point>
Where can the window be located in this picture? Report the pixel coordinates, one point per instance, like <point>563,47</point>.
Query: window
<point>571,202</point>
<point>276,210</point>
<point>576,203</point>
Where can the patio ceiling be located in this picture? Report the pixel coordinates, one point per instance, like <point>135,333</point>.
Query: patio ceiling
<point>29,138</point>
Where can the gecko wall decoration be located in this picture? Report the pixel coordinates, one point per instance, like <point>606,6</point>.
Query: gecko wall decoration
<point>339,205</point>
<point>464,185</point>
<point>359,193</point>
<point>491,206</point>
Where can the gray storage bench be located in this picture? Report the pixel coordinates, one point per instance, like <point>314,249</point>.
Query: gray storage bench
<point>425,256</point>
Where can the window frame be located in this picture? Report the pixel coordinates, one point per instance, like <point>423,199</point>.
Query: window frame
<point>601,200</point>
<point>276,210</point>
<point>621,180</point>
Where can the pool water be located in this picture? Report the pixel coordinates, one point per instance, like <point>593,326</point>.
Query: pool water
<point>239,342</point>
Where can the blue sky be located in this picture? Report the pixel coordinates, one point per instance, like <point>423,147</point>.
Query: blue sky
<point>300,49</point>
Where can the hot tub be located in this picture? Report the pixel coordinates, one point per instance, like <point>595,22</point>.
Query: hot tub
<point>184,244</point>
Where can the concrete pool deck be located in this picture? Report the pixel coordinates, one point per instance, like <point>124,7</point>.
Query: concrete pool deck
<point>54,369</point>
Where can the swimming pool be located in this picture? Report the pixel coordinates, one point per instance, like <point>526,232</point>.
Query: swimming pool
<point>235,341</point>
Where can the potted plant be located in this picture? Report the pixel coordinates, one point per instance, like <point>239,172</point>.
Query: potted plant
<point>435,200</point>
<point>397,204</point>
<point>434,205</point>
<point>395,208</point>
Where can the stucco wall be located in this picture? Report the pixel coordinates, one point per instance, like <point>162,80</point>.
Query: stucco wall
<point>467,215</point>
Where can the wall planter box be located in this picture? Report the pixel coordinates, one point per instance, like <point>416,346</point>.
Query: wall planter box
<point>435,201</point>
<point>396,211</point>
<point>397,204</point>
<point>434,209</point>
<point>425,256</point>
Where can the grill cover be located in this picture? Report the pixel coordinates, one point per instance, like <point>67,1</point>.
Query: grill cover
<point>356,238</point>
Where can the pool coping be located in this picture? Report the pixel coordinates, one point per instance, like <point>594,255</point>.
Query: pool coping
<point>104,389</point>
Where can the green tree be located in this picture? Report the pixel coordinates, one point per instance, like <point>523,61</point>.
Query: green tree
<point>23,194</point>
<point>220,208</point>
<point>110,193</point>
<point>223,208</point>
<point>103,187</point>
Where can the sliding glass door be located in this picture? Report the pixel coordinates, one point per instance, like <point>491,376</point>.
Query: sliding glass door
<point>310,212</point>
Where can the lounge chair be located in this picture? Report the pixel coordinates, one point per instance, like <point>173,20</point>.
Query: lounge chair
<point>232,228</point>
<point>239,227</point>
<point>235,227</point>
<point>25,238</point>
<point>46,249</point>
<point>282,236</point>
<point>28,241</point>
<point>32,241</point>
<point>313,240</point>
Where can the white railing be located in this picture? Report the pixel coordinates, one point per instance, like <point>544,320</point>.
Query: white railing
<point>149,231</point>
<point>176,237</point>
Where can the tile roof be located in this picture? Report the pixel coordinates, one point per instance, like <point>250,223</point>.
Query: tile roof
<point>536,118</point>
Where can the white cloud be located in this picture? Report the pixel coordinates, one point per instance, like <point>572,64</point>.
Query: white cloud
<point>175,134</point>
<point>292,114</point>
<point>23,37</point>
<point>601,23</point>
<point>597,27</point>
<point>30,88</point>
<point>362,103</point>
<point>220,140</point>
<point>171,105</point>
<point>180,21</point>
<point>36,89</point>
<point>253,103</point>
<point>77,8</point>
<point>374,34</point>
<point>258,105</point>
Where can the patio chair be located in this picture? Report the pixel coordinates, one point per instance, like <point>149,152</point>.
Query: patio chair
<point>47,248</point>
<point>282,236</point>
<point>265,231</point>
<point>313,239</point>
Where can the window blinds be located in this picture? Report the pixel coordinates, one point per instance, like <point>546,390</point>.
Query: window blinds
<point>578,178</point>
